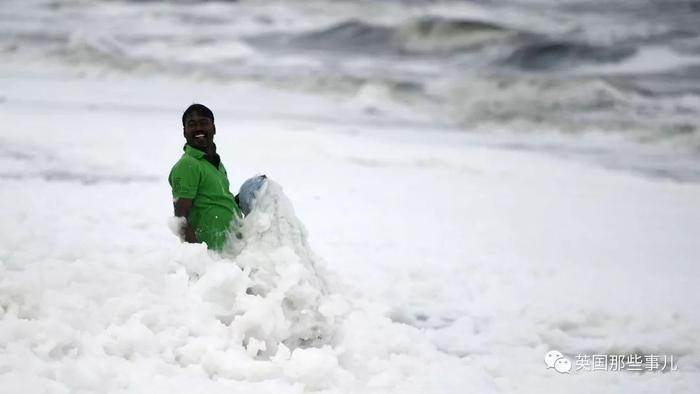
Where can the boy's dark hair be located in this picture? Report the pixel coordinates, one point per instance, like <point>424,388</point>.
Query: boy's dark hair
<point>201,109</point>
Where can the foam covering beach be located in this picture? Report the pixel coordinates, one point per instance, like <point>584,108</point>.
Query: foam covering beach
<point>452,194</point>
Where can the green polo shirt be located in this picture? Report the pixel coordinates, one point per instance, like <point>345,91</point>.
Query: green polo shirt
<point>213,206</point>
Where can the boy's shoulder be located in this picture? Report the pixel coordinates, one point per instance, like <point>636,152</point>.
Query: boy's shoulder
<point>186,159</point>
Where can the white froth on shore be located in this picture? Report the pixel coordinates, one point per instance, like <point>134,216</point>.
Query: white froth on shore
<point>398,258</point>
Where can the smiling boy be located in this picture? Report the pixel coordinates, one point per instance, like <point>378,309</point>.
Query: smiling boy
<point>200,185</point>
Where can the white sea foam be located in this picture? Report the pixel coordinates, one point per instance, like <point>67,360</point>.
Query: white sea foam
<point>453,260</point>
<point>288,295</point>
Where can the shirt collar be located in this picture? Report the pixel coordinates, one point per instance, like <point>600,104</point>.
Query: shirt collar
<point>194,152</point>
<point>215,160</point>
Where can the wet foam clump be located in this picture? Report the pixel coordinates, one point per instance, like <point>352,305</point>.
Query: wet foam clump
<point>270,288</point>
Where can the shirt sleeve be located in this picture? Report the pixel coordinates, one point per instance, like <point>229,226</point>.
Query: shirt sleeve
<point>184,179</point>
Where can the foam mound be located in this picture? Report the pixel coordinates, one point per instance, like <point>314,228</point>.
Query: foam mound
<point>282,295</point>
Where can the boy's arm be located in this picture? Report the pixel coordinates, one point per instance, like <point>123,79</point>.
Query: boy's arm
<point>184,179</point>
<point>182,210</point>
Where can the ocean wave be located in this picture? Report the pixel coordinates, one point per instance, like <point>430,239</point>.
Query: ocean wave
<point>348,35</point>
<point>442,35</point>
<point>548,55</point>
<point>679,82</point>
<point>439,36</point>
<point>571,105</point>
<point>422,36</point>
<point>457,68</point>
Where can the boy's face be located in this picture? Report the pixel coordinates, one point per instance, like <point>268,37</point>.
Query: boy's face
<point>199,131</point>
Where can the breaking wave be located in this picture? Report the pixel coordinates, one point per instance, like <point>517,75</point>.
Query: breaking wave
<point>442,35</point>
<point>421,36</point>
<point>463,67</point>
